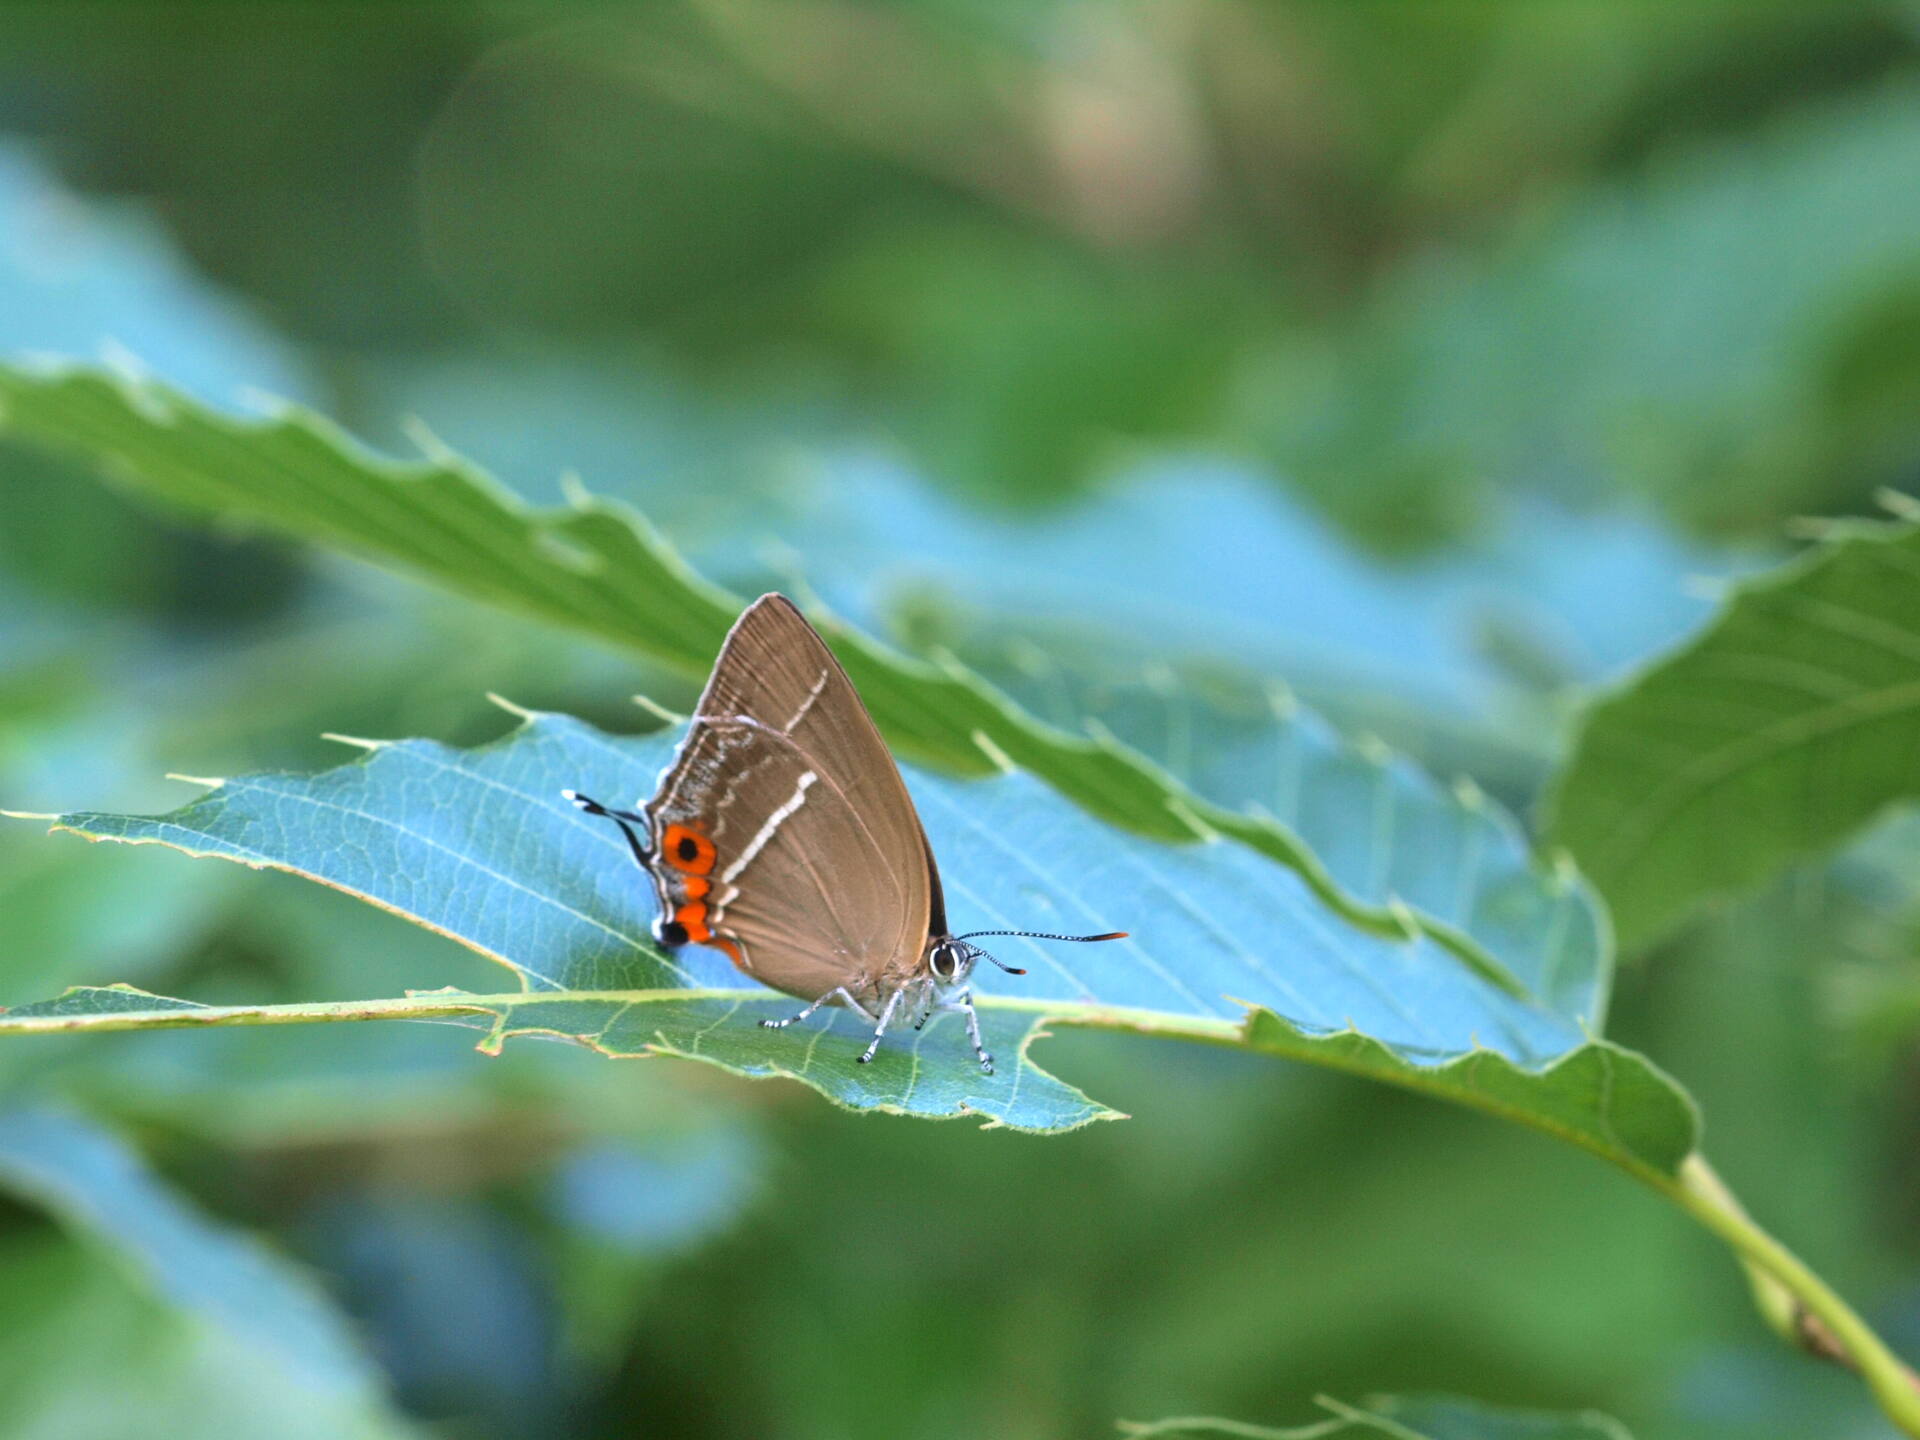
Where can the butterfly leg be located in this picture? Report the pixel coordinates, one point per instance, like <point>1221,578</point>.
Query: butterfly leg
<point>973,1031</point>
<point>880,1026</point>
<point>839,992</point>
<point>964,1004</point>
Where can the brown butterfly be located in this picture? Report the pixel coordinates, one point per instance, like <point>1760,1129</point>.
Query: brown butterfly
<point>783,835</point>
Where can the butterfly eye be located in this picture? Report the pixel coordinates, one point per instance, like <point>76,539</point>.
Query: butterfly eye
<point>945,961</point>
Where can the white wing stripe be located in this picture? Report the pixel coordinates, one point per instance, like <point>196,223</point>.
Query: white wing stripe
<point>759,841</point>
<point>807,704</point>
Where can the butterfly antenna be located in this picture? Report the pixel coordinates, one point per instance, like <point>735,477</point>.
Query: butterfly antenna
<point>641,855</point>
<point>1010,969</point>
<point>1031,935</point>
<point>1045,935</point>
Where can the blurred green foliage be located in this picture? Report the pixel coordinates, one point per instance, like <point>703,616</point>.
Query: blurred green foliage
<point>1148,356</point>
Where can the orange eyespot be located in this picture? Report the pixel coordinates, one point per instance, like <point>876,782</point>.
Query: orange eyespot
<point>693,918</point>
<point>686,850</point>
<point>695,886</point>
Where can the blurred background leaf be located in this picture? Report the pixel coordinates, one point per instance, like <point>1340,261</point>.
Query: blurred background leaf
<point>1425,354</point>
<point>151,1306</point>
<point>1780,732</point>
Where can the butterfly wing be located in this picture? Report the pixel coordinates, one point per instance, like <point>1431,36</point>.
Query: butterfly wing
<point>783,828</point>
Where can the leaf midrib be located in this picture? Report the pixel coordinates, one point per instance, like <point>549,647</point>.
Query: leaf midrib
<point>438,1005</point>
<point>441,1005</point>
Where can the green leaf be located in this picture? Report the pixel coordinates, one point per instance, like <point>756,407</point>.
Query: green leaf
<point>599,569</point>
<point>1787,725</point>
<point>1456,375</point>
<point>1386,1417</point>
<point>1227,946</point>
<point>246,1342</point>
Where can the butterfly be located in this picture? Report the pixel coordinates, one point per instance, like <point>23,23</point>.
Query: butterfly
<point>782,835</point>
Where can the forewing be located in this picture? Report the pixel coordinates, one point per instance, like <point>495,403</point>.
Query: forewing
<point>775,669</point>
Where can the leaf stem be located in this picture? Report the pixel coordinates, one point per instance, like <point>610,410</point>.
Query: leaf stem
<point>186,1017</point>
<point>454,1004</point>
<point>1813,1316</point>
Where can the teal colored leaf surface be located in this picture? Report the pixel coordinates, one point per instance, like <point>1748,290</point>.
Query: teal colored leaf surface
<point>1376,826</point>
<point>480,845</point>
<point>1783,728</point>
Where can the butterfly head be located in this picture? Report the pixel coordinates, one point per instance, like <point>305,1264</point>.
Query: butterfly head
<point>950,961</point>
<point>951,958</point>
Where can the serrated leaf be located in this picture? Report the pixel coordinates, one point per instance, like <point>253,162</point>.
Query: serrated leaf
<point>598,568</point>
<point>480,845</point>
<point>1390,1417</point>
<point>1377,826</point>
<point>1787,725</point>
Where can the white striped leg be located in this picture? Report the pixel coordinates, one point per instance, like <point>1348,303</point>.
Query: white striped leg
<point>973,1031</point>
<point>839,992</point>
<point>880,1027</point>
<point>964,1004</point>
